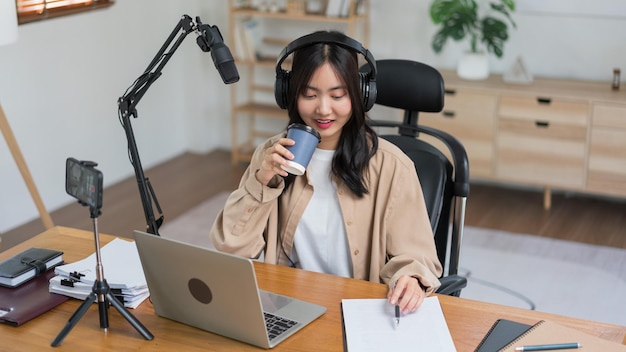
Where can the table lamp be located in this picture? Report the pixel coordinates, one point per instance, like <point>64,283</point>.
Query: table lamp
<point>8,34</point>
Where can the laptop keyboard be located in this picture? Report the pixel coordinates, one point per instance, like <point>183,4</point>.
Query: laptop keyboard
<point>277,325</point>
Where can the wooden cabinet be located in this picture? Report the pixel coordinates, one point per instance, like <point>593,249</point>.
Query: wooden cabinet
<point>553,133</point>
<point>470,116</point>
<point>542,141</point>
<point>607,150</point>
<point>254,113</point>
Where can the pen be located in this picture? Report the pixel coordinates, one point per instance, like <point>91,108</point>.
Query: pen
<point>397,315</point>
<point>556,346</point>
<point>397,320</point>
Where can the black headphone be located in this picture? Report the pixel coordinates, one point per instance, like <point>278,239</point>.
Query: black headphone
<point>367,79</point>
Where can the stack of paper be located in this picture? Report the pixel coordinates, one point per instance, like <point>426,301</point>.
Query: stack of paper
<point>122,271</point>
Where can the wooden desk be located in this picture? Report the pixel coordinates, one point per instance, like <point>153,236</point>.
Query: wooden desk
<point>468,320</point>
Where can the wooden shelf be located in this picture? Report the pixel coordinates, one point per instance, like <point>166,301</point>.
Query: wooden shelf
<point>261,109</point>
<point>265,62</point>
<point>244,108</point>
<point>282,15</point>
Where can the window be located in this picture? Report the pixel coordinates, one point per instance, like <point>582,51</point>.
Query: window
<point>35,10</point>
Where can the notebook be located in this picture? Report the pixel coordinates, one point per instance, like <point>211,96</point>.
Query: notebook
<point>27,265</point>
<point>217,292</point>
<point>29,300</point>
<point>501,333</point>
<point>548,332</point>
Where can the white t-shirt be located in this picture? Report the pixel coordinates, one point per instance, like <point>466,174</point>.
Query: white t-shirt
<point>320,242</point>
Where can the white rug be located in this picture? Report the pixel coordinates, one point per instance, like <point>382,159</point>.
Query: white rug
<point>526,271</point>
<point>554,276</point>
<point>194,225</point>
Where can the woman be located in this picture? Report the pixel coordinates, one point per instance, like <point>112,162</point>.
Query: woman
<point>358,211</point>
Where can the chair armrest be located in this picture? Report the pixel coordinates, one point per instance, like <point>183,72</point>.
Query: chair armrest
<point>452,285</point>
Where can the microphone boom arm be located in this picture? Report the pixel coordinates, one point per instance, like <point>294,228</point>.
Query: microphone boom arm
<point>128,102</point>
<point>127,108</point>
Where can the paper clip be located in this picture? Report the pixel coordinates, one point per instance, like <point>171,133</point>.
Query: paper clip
<point>67,282</point>
<point>75,276</point>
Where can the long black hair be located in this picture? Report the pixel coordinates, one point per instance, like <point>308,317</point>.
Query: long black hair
<point>358,141</point>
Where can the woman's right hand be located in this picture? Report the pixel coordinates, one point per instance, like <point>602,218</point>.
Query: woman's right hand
<point>275,156</point>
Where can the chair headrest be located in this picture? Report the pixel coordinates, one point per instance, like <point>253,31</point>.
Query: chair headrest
<point>408,85</point>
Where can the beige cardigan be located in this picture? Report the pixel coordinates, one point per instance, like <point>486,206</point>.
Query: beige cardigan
<point>388,230</point>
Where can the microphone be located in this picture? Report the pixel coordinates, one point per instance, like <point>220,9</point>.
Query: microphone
<point>211,40</point>
<point>224,62</point>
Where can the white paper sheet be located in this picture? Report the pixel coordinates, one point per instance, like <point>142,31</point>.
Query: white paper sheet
<point>121,265</point>
<point>370,326</point>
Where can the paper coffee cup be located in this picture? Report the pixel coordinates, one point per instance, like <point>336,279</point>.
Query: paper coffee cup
<point>307,140</point>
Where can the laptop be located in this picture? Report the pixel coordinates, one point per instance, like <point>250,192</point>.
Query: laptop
<point>218,292</point>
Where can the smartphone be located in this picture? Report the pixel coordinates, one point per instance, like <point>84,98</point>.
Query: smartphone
<point>84,182</point>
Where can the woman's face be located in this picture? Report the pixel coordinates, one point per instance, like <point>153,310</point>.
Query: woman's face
<point>325,106</point>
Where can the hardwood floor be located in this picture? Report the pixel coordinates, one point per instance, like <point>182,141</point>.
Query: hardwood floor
<point>574,217</point>
<point>179,185</point>
<point>187,180</point>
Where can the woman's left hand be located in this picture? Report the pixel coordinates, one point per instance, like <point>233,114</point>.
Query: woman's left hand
<point>407,294</point>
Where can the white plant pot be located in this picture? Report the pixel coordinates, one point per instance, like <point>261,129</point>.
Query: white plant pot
<point>473,66</point>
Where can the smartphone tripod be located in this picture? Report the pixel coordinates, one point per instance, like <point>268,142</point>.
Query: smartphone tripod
<point>102,292</point>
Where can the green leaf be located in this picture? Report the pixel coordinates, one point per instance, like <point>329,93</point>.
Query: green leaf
<point>458,20</point>
<point>504,11</point>
<point>439,40</point>
<point>510,4</point>
<point>455,32</point>
<point>442,11</point>
<point>494,35</point>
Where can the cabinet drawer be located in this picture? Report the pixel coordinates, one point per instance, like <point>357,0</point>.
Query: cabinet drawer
<point>543,129</point>
<point>551,155</point>
<point>607,161</point>
<point>542,141</point>
<point>470,117</point>
<point>544,110</point>
<point>467,115</point>
<point>607,115</point>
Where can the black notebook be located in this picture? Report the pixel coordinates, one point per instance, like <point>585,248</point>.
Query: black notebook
<point>27,265</point>
<point>502,332</point>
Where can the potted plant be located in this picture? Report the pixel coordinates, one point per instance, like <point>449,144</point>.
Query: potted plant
<point>460,19</point>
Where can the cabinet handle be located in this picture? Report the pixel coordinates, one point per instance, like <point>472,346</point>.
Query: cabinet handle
<point>542,124</point>
<point>448,114</point>
<point>546,101</point>
<point>450,91</point>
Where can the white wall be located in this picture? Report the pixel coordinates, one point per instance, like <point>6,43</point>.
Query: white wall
<point>60,82</point>
<point>551,44</point>
<point>59,86</point>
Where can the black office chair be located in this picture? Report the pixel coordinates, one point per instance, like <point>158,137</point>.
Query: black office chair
<point>415,87</point>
